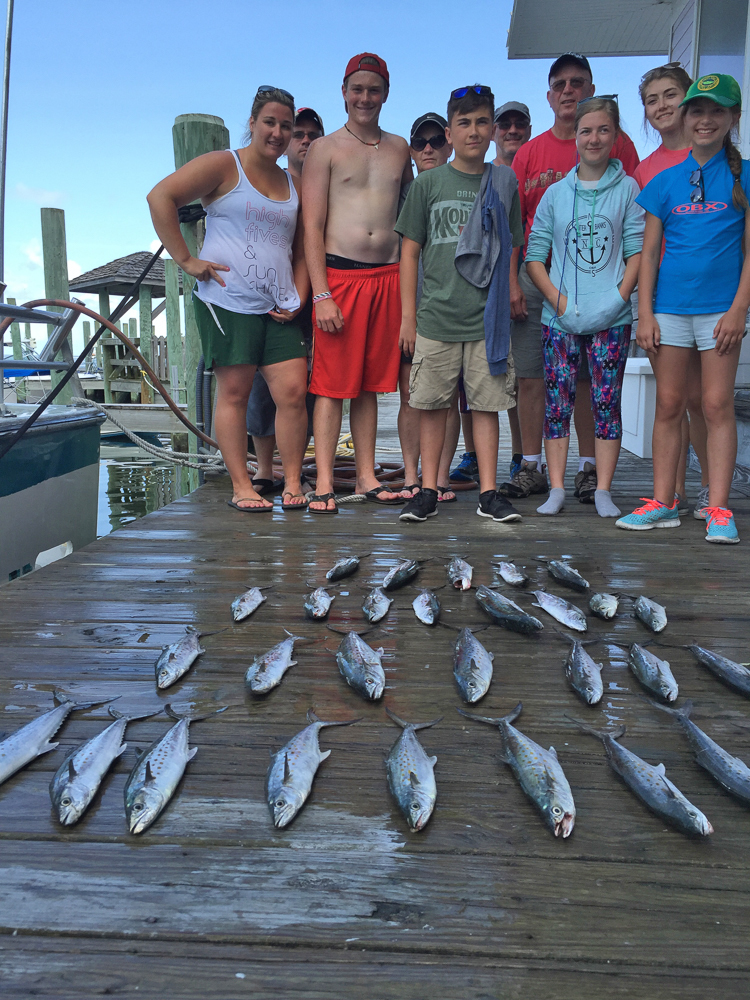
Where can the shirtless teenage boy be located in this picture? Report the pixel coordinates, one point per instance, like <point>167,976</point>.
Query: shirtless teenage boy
<point>350,191</point>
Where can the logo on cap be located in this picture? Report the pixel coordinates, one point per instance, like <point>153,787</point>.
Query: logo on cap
<point>708,82</point>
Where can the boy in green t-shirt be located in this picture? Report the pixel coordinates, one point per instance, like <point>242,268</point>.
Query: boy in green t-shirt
<point>450,319</point>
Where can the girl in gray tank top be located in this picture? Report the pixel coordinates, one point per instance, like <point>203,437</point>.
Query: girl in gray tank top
<point>250,282</point>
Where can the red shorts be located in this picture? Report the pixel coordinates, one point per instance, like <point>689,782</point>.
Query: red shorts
<point>364,356</point>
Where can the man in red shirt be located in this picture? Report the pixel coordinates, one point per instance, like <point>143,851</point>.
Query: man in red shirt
<point>540,162</point>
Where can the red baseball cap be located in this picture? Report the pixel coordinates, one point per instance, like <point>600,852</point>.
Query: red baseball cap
<point>369,62</point>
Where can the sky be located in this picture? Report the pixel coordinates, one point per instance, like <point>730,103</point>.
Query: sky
<point>96,86</point>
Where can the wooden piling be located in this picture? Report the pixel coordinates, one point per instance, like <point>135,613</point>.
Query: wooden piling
<point>104,310</point>
<point>15,339</point>
<point>144,298</point>
<point>55,254</point>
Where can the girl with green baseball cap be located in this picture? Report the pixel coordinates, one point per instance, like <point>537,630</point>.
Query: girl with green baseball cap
<point>697,297</point>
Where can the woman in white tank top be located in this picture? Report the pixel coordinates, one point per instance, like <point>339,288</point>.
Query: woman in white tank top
<point>251,281</point>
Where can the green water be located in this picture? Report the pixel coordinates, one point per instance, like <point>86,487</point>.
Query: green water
<point>131,484</point>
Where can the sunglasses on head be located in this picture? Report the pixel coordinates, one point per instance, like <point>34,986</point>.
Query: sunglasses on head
<point>266,88</point>
<point>600,97</point>
<point>456,95</point>
<point>418,143</point>
<point>698,194</point>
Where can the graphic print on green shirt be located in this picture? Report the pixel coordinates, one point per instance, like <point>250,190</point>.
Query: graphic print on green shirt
<point>436,210</point>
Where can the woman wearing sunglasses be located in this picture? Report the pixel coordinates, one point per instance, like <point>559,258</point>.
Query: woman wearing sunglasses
<point>697,297</point>
<point>250,281</point>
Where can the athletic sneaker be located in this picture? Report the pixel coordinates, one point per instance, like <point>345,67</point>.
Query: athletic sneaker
<point>491,504</point>
<point>701,502</point>
<point>421,506</point>
<point>721,526</point>
<point>653,514</point>
<point>515,464</point>
<point>526,481</point>
<point>682,504</point>
<point>467,469</point>
<point>585,483</point>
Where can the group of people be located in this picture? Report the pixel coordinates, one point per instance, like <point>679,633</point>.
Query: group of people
<point>474,288</point>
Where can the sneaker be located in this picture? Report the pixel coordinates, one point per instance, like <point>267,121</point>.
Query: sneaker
<point>721,526</point>
<point>420,507</point>
<point>701,502</point>
<point>526,481</point>
<point>467,469</point>
<point>585,483</point>
<point>491,504</point>
<point>682,505</point>
<point>515,464</point>
<point>653,514</point>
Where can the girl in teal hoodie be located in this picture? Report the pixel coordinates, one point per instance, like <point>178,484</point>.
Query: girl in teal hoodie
<point>593,228</point>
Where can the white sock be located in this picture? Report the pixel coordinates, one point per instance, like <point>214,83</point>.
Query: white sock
<point>534,458</point>
<point>582,461</point>
<point>604,505</point>
<point>555,503</point>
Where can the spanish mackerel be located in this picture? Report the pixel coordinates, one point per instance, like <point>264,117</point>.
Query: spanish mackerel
<point>653,615</point>
<point>158,772</point>
<point>78,778</point>
<point>177,658</point>
<point>538,772</point>
<point>411,776</point>
<point>584,674</point>
<point>460,573</point>
<point>426,607</point>
<point>32,740</point>
<point>472,666</point>
<point>650,784</point>
<point>654,674</point>
<point>400,575</point>
<point>731,772</point>
<point>318,603</point>
<point>290,776</point>
<point>343,568</point>
<point>604,605</point>
<point>266,671</point>
<point>567,614</point>
<point>376,604</point>
<point>565,574</point>
<point>735,675</point>
<point>244,605</point>
<point>506,612</point>
<point>361,666</point>
<point>512,574</point>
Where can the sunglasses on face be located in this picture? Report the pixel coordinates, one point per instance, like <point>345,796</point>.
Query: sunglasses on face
<point>576,82</point>
<point>698,194</point>
<point>505,126</point>
<point>266,88</point>
<point>418,143</point>
<point>311,135</point>
<point>456,95</point>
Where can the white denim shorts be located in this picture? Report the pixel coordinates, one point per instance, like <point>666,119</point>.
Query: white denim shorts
<point>688,331</point>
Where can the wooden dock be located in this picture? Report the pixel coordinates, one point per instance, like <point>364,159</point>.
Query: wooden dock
<point>213,902</point>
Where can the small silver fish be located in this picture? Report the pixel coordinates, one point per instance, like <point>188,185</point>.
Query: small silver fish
<point>426,607</point>
<point>376,605</point>
<point>512,574</point>
<point>472,666</point>
<point>290,776</point>
<point>266,671</point>
<point>32,740</point>
<point>361,666</point>
<point>650,784</point>
<point>460,573</point>
<point>157,773</point>
<point>654,674</point>
<point>177,658</point>
<point>565,574</point>
<point>78,778</point>
<point>506,612</point>
<point>731,772</point>
<point>411,776</point>
<point>343,568</point>
<point>567,614</point>
<point>735,675</point>
<point>318,603</point>
<point>584,675</point>
<point>604,605</point>
<point>538,772</point>
<point>400,575</point>
<point>244,605</point>
<point>653,615</point>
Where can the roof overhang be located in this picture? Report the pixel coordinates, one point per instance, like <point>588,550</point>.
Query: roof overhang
<point>541,29</point>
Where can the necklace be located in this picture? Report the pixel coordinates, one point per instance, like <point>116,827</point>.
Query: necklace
<point>375,144</point>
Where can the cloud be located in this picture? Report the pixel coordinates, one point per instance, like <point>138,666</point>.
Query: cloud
<point>154,246</point>
<point>32,251</point>
<point>40,196</point>
<point>74,269</point>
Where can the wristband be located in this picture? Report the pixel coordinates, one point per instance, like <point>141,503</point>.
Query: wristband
<point>321,296</point>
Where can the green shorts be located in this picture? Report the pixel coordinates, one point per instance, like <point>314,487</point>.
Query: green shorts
<point>245,339</point>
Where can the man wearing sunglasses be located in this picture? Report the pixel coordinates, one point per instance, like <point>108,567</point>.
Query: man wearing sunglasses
<point>540,162</point>
<point>350,193</point>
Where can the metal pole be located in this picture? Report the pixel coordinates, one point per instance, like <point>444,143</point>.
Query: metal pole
<point>4,136</point>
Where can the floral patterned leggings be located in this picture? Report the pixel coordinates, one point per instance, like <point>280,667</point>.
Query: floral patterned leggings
<point>607,353</point>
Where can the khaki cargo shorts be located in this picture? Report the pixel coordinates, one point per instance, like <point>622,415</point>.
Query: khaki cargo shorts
<point>435,370</point>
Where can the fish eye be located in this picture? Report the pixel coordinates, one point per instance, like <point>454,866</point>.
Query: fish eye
<point>66,801</point>
<point>556,811</point>
<point>138,806</point>
<point>280,804</point>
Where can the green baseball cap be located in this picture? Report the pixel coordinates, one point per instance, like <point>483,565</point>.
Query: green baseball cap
<point>718,87</point>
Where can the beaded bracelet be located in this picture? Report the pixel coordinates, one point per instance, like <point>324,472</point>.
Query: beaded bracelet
<point>321,296</point>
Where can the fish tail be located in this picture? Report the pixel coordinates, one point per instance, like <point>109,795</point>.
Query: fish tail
<point>306,638</point>
<point>130,716</point>
<point>407,725</point>
<point>312,717</point>
<point>683,712</point>
<point>510,717</point>
<point>191,717</point>
<point>64,699</point>
<point>202,635</point>
<point>601,734</point>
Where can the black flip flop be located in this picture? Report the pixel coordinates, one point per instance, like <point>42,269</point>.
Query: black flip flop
<point>446,489</point>
<point>268,487</point>
<point>293,506</point>
<point>321,498</point>
<point>249,510</point>
<point>395,501</point>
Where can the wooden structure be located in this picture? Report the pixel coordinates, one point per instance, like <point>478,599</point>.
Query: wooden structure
<point>213,903</point>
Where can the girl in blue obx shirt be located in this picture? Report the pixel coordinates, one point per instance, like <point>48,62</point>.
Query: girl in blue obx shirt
<point>698,297</point>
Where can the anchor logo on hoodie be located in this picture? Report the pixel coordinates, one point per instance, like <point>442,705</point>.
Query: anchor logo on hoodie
<point>590,243</point>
